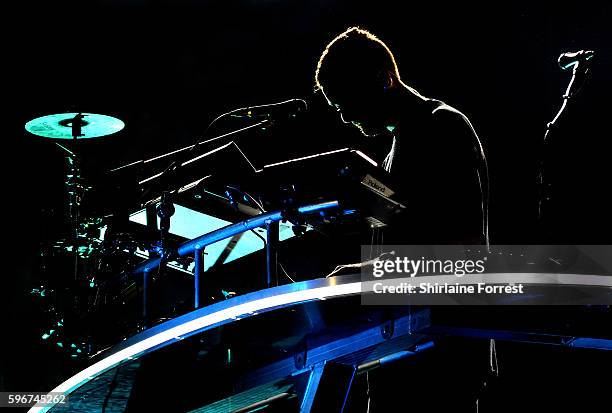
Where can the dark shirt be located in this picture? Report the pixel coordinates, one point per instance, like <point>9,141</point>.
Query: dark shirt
<point>441,172</point>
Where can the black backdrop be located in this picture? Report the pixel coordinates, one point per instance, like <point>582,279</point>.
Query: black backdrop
<point>167,67</point>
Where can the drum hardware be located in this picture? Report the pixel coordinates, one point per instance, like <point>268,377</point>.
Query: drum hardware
<point>75,127</point>
<point>85,242</point>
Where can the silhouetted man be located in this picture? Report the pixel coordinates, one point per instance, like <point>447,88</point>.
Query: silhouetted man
<point>431,148</point>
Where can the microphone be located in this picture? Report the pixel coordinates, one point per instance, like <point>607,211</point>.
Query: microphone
<point>571,60</point>
<point>287,108</point>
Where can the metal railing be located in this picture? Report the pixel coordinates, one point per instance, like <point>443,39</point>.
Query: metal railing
<point>197,246</point>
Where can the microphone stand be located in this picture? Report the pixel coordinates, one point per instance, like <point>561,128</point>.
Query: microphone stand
<point>242,112</point>
<point>165,209</point>
<point>579,75</point>
<point>175,164</point>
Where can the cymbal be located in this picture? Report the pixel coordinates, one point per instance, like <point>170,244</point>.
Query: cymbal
<point>64,125</point>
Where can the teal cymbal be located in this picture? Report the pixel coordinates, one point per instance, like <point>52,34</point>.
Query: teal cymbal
<point>62,126</point>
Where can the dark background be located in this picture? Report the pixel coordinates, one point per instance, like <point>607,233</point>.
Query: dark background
<point>166,68</point>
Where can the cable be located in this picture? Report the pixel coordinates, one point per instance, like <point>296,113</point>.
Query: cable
<point>111,388</point>
<point>493,367</point>
<point>258,204</point>
<point>493,371</point>
<point>259,236</point>
<point>288,276</point>
<point>368,390</point>
<point>358,264</point>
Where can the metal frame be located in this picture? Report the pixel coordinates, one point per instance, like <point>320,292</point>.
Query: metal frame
<point>229,231</point>
<point>196,246</point>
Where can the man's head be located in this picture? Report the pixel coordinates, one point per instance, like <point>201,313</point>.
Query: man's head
<point>355,73</point>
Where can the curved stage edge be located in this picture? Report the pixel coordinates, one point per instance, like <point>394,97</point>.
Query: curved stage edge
<point>289,295</point>
<point>210,317</point>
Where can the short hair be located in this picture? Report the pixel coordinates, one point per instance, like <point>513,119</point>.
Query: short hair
<point>355,55</point>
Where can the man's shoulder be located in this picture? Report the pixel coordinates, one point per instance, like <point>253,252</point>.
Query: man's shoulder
<point>441,111</point>
<point>452,128</point>
<point>449,121</point>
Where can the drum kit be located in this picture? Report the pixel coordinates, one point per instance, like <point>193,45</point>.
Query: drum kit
<point>82,247</point>
<point>86,271</point>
